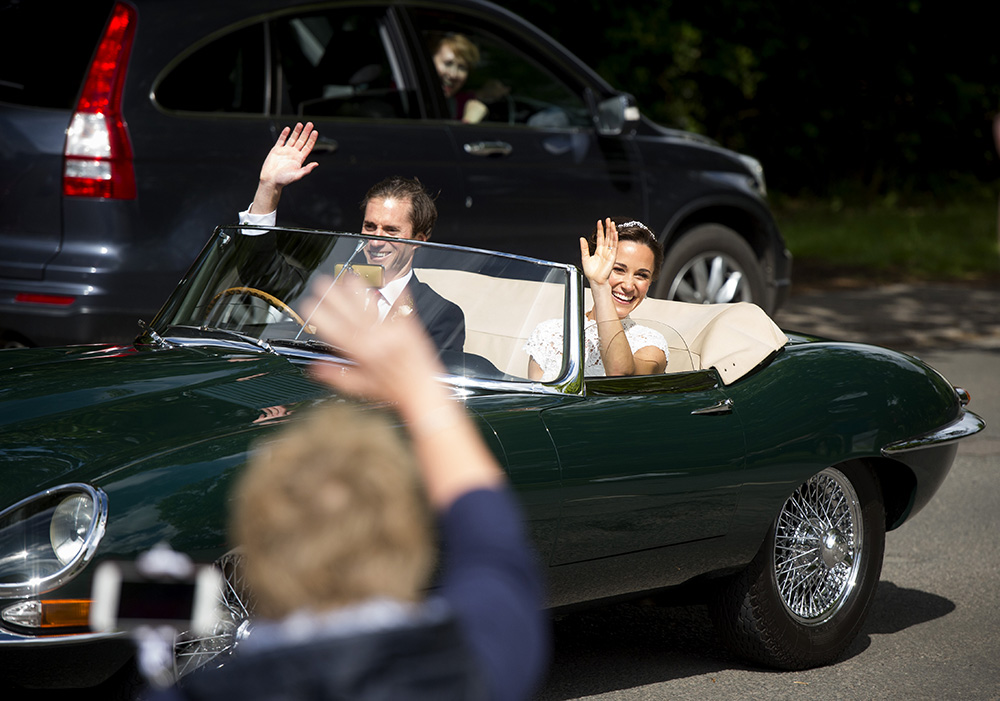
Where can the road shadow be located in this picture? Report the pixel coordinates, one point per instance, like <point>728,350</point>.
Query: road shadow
<point>628,645</point>
<point>621,646</point>
<point>894,610</point>
<point>903,316</point>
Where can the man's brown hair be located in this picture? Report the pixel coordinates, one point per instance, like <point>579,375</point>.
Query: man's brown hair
<point>423,211</point>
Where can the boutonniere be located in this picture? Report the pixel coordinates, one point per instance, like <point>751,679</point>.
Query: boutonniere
<point>403,307</point>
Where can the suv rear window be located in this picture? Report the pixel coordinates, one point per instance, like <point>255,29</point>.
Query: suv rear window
<point>45,49</point>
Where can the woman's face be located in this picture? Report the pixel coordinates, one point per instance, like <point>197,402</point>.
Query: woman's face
<point>451,69</point>
<point>631,276</point>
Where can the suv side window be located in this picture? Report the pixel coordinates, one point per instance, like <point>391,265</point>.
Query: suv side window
<point>340,63</point>
<point>513,86</point>
<point>226,75</point>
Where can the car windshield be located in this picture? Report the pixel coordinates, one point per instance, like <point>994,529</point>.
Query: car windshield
<point>250,285</point>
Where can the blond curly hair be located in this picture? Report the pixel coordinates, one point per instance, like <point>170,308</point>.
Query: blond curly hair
<point>332,513</point>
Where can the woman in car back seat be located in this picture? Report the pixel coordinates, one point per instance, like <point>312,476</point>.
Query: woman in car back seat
<point>620,265</point>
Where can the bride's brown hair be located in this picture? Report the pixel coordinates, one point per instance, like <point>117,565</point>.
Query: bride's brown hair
<point>634,230</point>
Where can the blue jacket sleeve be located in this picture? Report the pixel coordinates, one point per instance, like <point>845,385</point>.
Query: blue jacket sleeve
<point>492,580</point>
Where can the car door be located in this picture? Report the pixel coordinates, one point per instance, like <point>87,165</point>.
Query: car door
<point>342,68</point>
<point>646,462</point>
<point>537,174</point>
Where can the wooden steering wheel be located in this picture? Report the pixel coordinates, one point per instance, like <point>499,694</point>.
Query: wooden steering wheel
<point>267,297</point>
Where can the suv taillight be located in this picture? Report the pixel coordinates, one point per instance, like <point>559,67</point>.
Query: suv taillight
<point>98,155</point>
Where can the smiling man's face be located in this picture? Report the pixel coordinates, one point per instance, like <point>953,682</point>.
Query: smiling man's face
<point>390,217</point>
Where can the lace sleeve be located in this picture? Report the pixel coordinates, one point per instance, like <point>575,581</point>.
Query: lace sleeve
<point>545,346</point>
<point>643,336</point>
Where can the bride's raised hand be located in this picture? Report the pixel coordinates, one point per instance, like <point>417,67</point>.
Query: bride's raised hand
<point>597,266</point>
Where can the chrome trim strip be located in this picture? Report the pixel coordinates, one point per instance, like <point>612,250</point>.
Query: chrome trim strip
<point>238,229</point>
<point>965,425</point>
<point>16,639</point>
<point>462,381</point>
<point>572,380</point>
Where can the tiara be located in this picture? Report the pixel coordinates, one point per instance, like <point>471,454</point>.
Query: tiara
<point>639,224</point>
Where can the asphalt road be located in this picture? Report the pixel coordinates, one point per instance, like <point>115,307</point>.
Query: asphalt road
<point>911,318</point>
<point>932,630</point>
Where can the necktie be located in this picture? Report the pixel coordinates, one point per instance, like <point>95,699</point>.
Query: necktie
<point>376,298</point>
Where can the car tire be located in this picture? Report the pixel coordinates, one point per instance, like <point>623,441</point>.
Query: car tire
<point>711,264</point>
<point>833,528</point>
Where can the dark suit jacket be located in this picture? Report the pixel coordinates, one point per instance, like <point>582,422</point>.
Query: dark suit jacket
<point>262,262</point>
<point>443,320</point>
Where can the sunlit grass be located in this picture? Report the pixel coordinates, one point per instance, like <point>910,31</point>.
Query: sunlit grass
<point>951,241</point>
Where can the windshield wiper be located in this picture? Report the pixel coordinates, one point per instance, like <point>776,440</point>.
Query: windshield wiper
<point>308,344</point>
<point>214,331</point>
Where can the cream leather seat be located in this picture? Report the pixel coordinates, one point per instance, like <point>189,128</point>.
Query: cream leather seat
<point>500,314</point>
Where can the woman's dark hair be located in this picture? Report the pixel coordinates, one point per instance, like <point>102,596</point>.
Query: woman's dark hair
<point>634,230</point>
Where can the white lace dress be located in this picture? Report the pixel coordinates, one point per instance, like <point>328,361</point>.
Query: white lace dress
<point>545,345</point>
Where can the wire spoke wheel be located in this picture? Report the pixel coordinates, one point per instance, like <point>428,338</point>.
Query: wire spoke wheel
<point>190,652</point>
<point>817,542</point>
<point>804,597</point>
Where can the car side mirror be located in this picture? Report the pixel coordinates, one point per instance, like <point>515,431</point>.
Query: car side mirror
<point>614,113</point>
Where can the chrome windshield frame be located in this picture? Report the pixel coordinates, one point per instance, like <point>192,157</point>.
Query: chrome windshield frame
<point>171,315</point>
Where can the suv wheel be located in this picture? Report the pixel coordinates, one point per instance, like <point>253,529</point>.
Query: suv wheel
<point>9,339</point>
<point>711,264</point>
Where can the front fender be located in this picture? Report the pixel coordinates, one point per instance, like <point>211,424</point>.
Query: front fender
<point>823,403</point>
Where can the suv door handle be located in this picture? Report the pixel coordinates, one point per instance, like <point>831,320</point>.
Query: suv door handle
<point>489,148</point>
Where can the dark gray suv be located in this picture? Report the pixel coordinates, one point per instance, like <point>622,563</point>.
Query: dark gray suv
<point>121,151</point>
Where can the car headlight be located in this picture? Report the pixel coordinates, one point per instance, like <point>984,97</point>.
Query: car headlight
<point>46,539</point>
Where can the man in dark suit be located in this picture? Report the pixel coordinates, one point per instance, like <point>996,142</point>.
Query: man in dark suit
<point>397,208</point>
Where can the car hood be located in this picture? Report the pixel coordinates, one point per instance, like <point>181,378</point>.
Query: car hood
<point>80,414</point>
<point>655,128</point>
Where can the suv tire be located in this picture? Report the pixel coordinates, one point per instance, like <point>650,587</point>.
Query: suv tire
<point>712,264</point>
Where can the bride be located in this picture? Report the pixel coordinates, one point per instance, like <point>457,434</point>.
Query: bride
<point>620,261</point>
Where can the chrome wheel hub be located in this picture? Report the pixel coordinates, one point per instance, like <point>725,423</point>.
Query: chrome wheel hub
<point>834,549</point>
<point>712,278</point>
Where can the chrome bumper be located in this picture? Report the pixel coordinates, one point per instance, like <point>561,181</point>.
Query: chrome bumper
<point>965,425</point>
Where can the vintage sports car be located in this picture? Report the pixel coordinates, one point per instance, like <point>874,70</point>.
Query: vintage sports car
<point>767,465</point>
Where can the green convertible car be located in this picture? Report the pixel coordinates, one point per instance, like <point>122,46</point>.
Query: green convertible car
<point>767,465</point>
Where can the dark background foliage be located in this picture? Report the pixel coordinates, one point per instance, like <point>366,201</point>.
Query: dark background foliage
<point>854,98</point>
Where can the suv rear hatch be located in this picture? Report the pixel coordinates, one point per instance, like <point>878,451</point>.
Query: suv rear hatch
<point>44,60</point>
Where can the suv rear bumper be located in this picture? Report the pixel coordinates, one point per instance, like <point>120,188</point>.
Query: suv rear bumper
<point>92,316</point>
